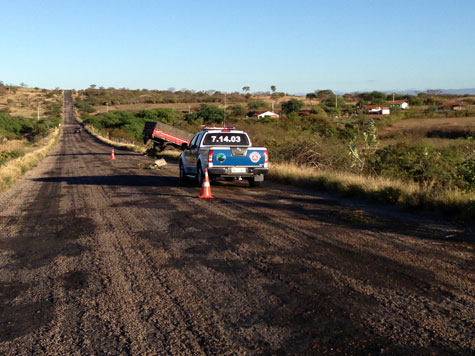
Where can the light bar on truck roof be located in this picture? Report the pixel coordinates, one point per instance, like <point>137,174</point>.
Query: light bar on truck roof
<point>224,129</point>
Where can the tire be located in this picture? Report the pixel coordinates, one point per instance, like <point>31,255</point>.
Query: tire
<point>200,176</point>
<point>183,177</point>
<point>253,183</point>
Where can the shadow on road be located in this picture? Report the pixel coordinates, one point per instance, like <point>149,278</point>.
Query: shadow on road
<point>94,154</point>
<point>127,180</point>
<point>335,213</point>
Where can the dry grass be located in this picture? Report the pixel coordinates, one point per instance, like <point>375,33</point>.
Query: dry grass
<point>451,203</point>
<point>12,145</point>
<point>443,124</point>
<point>194,105</point>
<point>344,181</point>
<point>15,168</point>
<point>170,154</point>
<point>26,101</point>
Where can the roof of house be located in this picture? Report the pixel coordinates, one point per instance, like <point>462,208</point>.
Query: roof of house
<point>265,112</point>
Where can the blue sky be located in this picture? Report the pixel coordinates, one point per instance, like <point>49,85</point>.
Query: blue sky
<point>299,46</point>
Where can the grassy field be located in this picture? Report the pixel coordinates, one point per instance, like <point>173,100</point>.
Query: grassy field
<point>26,101</point>
<point>25,140</point>
<point>185,107</point>
<point>15,168</point>
<point>427,125</point>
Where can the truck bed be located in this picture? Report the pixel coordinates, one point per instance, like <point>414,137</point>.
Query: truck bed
<point>164,134</point>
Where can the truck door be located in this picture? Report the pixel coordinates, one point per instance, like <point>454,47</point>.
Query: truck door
<point>191,154</point>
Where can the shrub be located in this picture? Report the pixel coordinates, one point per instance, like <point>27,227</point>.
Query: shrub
<point>318,110</point>
<point>84,106</point>
<point>8,155</point>
<point>293,105</point>
<point>208,114</point>
<point>430,167</point>
<point>464,175</point>
<point>258,105</point>
<point>130,124</point>
<point>320,125</point>
<point>238,111</point>
<point>14,127</point>
<point>165,115</point>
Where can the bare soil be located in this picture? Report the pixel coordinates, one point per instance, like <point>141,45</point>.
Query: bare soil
<point>102,257</point>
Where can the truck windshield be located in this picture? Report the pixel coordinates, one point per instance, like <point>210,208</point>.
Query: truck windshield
<point>226,139</point>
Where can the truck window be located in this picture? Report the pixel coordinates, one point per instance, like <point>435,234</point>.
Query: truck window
<point>193,141</point>
<point>226,139</point>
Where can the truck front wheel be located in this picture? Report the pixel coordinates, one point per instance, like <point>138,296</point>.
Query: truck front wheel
<point>182,173</point>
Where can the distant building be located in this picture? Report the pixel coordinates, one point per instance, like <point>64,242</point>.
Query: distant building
<point>261,115</point>
<point>403,105</point>
<point>454,105</point>
<point>376,109</point>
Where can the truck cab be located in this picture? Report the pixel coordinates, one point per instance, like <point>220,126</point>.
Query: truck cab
<point>226,153</point>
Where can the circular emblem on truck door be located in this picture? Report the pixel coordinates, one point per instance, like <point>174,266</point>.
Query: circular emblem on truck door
<point>255,157</point>
<point>221,157</point>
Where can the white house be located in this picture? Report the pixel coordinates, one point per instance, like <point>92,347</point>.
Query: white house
<point>399,104</point>
<point>376,109</point>
<point>261,115</point>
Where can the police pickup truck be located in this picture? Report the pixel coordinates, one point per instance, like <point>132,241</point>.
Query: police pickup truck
<point>227,153</point>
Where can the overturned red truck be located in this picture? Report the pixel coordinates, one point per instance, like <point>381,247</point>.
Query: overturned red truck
<point>163,135</point>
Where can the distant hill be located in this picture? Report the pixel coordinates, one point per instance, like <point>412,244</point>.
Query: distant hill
<point>470,91</point>
<point>467,91</point>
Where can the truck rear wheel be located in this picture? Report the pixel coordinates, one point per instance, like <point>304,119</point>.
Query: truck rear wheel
<point>200,176</point>
<point>254,183</point>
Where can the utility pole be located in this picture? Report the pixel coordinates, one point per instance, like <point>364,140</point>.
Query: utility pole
<point>38,114</point>
<point>224,112</point>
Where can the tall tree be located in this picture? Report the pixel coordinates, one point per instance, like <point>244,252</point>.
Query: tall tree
<point>322,94</point>
<point>293,105</point>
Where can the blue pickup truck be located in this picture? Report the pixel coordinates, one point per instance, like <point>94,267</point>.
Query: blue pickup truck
<point>227,153</point>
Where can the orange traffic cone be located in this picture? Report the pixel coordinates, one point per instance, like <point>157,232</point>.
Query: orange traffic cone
<point>112,155</point>
<point>206,188</point>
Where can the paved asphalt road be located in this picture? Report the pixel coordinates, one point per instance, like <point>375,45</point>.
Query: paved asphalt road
<point>104,257</point>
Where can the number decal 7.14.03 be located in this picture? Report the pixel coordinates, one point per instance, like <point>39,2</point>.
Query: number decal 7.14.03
<point>225,139</point>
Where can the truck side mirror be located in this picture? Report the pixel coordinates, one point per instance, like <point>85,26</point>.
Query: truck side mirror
<point>184,146</point>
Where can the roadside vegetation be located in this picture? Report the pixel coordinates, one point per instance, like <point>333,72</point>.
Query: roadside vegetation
<point>330,142</point>
<point>29,126</point>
